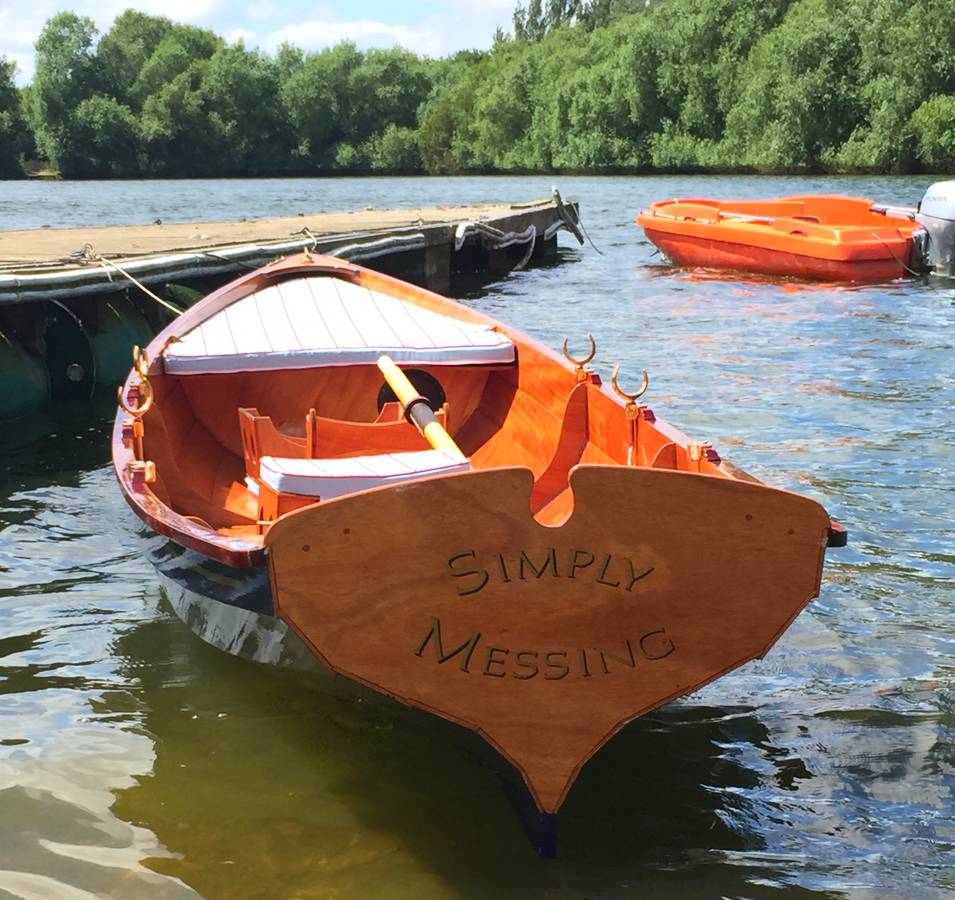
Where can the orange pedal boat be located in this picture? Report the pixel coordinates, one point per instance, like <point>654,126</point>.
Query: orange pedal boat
<point>817,237</point>
<point>349,472</point>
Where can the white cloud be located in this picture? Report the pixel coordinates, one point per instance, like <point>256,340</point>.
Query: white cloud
<point>24,63</point>
<point>234,35</point>
<point>468,27</point>
<point>21,25</point>
<point>468,24</point>
<point>19,29</point>
<point>190,11</point>
<point>261,11</point>
<point>316,34</point>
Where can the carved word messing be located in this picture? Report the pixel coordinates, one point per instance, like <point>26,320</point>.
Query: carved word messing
<point>551,665</point>
<point>611,571</point>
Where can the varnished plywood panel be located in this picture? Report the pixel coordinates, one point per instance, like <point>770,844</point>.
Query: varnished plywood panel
<point>348,393</point>
<point>447,594</point>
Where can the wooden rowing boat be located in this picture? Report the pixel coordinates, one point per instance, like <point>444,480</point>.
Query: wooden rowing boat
<point>355,472</point>
<point>819,237</point>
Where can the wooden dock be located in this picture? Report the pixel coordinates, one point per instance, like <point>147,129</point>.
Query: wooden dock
<point>74,300</point>
<point>425,245</point>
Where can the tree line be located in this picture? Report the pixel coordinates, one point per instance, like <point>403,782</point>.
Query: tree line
<point>578,85</point>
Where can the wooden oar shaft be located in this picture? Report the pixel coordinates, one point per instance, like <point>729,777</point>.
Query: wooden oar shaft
<point>417,408</point>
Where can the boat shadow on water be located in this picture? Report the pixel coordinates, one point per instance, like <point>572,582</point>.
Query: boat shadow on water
<point>293,782</point>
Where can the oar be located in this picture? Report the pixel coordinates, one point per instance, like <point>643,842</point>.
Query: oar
<point>417,409</point>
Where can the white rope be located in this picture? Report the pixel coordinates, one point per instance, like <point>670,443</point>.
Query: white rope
<point>576,228</point>
<point>88,254</point>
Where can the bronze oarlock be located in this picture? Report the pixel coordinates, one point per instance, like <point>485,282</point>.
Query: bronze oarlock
<point>580,363</point>
<point>630,398</point>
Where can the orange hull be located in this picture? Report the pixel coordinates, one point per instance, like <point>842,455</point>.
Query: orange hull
<point>821,238</point>
<point>569,564</point>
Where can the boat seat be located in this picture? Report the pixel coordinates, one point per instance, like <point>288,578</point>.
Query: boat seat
<point>328,478</point>
<point>389,433</point>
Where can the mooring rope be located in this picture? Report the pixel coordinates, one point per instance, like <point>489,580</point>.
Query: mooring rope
<point>308,233</point>
<point>901,262</point>
<point>575,227</point>
<point>587,235</point>
<point>87,254</point>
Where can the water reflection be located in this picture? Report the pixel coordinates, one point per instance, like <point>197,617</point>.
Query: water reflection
<point>329,795</point>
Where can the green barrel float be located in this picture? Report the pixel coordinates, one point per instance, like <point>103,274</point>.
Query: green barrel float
<point>24,383</point>
<point>69,354</point>
<point>120,326</point>
<point>181,295</point>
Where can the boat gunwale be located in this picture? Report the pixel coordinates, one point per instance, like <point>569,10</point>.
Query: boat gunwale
<point>246,552</point>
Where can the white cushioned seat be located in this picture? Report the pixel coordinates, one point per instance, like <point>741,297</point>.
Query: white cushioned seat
<point>322,321</point>
<point>328,478</point>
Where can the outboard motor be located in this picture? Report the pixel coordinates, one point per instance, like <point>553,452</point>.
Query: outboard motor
<point>936,214</point>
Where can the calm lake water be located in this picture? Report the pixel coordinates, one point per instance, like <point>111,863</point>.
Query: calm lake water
<point>136,761</point>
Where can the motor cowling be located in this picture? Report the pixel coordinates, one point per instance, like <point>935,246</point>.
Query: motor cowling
<point>936,214</point>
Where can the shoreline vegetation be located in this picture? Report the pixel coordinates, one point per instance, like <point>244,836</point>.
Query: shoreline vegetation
<point>577,87</point>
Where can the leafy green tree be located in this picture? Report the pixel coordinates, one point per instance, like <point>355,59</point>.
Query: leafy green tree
<point>591,85</point>
<point>386,87</point>
<point>529,21</point>
<point>933,126</point>
<point>125,50</point>
<point>349,158</point>
<point>312,95</point>
<point>596,103</point>
<point>180,47</point>
<point>289,60</point>
<point>174,135</point>
<point>395,150</point>
<point>600,13</point>
<point>67,73</point>
<point>248,124</point>
<point>536,20</point>
<point>700,58</point>
<point>800,94</point>
<point>503,111</point>
<point>906,57</point>
<point>105,137</point>
<point>444,119</point>
<point>15,137</point>
<point>341,101</point>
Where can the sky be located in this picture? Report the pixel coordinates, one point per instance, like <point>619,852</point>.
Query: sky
<point>428,27</point>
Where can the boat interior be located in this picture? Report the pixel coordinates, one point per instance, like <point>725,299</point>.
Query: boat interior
<point>255,416</point>
<point>826,212</point>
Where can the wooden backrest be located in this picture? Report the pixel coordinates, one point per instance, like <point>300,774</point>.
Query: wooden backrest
<point>390,412</point>
<point>325,437</point>
<point>261,438</point>
<point>251,446</point>
<point>389,433</point>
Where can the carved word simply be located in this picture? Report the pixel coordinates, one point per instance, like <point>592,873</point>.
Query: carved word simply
<point>618,572</point>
